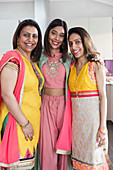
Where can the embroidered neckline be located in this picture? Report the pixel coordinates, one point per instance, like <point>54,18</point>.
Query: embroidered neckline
<point>38,76</point>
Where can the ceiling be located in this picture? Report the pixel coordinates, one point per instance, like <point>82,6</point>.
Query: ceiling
<point>74,8</point>
<point>81,8</point>
<point>17,0</point>
<point>108,2</point>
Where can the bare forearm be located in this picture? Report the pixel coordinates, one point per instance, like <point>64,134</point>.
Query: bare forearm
<point>14,108</point>
<point>103,111</point>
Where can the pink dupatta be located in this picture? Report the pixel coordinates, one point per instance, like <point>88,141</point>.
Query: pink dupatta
<point>65,138</point>
<point>63,144</point>
<point>9,148</point>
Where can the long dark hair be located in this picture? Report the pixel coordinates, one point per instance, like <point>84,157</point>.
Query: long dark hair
<point>64,46</point>
<point>36,53</point>
<point>89,48</point>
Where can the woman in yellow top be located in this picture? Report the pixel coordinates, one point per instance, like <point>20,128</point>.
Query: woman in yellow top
<point>21,84</point>
<point>88,96</point>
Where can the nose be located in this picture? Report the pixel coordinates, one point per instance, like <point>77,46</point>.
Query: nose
<point>57,37</point>
<point>73,45</point>
<point>30,38</point>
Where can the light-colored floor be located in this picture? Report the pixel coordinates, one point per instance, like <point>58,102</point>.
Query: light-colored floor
<point>110,142</point>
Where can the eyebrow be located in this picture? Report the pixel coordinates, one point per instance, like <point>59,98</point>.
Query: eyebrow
<point>78,39</point>
<point>29,33</point>
<point>75,40</point>
<point>56,31</point>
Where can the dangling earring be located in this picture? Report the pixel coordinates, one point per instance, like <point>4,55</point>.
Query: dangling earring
<point>17,43</point>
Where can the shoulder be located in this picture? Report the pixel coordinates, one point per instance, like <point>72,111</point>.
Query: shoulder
<point>72,64</point>
<point>43,56</point>
<point>42,60</point>
<point>92,65</point>
<point>14,61</point>
<point>11,54</point>
<point>68,59</point>
<point>13,64</point>
<point>99,66</point>
<point>14,57</point>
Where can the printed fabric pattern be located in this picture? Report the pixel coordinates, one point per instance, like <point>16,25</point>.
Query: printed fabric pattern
<point>85,119</point>
<point>10,155</point>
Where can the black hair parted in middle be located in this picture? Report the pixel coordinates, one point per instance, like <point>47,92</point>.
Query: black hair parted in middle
<point>64,46</point>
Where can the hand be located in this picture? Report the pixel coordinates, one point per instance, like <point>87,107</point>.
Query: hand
<point>99,58</point>
<point>28,131</point>
<point>101,138</point>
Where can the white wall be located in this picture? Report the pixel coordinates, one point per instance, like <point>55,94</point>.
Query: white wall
<point>93,15</point>
<point>16,10</point>
<point>41,10</point>
<point>101,31</point>
<point>74,12</point>
<point>10,14</point>
<point>7,28</point>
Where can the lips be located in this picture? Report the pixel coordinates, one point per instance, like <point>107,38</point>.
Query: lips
<point>76,51</point>
<point>29,44</point>
<point>55,43</point>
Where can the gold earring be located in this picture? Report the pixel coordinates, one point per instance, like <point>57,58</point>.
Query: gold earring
<point>17,43</point>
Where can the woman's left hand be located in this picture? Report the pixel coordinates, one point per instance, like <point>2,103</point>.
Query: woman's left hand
<point>101,138</point>
<point>28,131</point>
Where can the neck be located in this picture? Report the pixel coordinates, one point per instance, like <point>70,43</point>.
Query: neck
<point>53,51</point>
<point>23,53</point>
<point>82,61</point>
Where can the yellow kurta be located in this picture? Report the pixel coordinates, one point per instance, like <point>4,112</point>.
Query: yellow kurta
<point>31,104</point>
<point>85,119</point>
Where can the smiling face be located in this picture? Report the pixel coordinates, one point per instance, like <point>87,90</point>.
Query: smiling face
<point>56,38</point>
<point>76,46</point>
<point>28,39</point>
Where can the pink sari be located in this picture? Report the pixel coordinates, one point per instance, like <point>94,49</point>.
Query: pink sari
<point>10,155</point>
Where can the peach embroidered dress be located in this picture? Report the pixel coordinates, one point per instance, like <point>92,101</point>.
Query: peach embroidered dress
<point>85,119</point>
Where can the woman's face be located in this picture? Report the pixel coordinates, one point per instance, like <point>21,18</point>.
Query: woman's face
<point>56,38</point>
<point>28,38</point>
<point>76,46</point>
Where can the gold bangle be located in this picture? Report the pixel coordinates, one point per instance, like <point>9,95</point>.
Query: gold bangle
<point>103,132</point>
<point>26,125</point>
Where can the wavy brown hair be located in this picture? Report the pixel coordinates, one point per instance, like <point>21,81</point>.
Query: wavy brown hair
<point>36,53</point>
<point>89,48</point>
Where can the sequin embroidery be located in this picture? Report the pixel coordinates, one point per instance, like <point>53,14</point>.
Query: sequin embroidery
<point>53,67</point>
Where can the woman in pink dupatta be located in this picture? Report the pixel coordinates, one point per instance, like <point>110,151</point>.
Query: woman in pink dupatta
<point>20,100</point>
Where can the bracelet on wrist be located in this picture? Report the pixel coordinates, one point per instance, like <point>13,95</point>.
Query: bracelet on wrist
<point>103,132</point>
<point>26,125</point>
